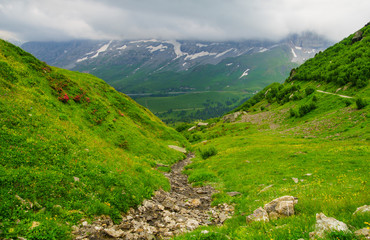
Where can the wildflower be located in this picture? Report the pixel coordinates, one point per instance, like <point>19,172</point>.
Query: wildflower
<point>64,99</point>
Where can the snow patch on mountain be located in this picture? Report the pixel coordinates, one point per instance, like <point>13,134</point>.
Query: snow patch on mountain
<point>176,48</point>
<point>299,48</point>
<point>229,64</point>
<point>263,50</point>
<point>245,73</point>
<point>102,49</point>
<point>144,41</point>
<point>122,48</point>
<point>81,59</point>
<point>223,53</point>
<point>198,55</point>
<point>295,55</point>
<point>160,47</point>
<point>201,45</point>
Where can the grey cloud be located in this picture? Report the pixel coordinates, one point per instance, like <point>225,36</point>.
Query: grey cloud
<point>179,19</point>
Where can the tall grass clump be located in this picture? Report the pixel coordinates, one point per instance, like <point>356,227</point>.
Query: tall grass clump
<point>207,152</point>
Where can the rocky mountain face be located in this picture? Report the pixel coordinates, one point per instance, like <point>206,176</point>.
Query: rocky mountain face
<point>125,63</point>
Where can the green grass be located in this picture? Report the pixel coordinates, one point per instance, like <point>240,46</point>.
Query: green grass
<point>73,147</point>
<point>333,174</point>
<point>191,106</point>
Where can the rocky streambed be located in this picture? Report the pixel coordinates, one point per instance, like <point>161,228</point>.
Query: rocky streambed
<point>167,214</point>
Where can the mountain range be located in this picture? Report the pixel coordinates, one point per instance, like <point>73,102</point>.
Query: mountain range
<point>130,65</point>
<point>214,76</point>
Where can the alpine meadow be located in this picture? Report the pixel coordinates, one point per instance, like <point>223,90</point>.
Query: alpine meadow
<point>289,160</point>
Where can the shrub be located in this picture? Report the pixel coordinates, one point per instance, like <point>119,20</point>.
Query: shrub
<point>347,102</point>
<point>293,113</point>
<point>306,108</point>
<point>309,90</point>
<point>208,152</point>
<point>195,137</point>
<point>361,103</point>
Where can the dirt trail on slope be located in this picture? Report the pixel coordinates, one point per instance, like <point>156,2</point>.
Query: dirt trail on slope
<point>167,214</point>
<point>342,96</point>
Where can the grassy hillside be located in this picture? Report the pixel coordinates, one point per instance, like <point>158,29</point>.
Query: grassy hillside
<point>71,147</point>
<point>313,130</point>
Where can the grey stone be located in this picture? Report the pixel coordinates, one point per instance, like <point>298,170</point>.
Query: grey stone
<point>192,224</point>
<point>259,214</point>
<point>192,128</point>
<point>363,232</point>
<point>233,194</point>
<point>114,233</point>
<point>177,148</point>
<point>362,210</point>
<point>326,224</point>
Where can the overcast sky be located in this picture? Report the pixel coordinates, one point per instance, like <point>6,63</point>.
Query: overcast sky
<point>44,20</point>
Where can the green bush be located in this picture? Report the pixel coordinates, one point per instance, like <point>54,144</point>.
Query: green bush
<point>361,103</point>
<point>293,113</point>
<point>309,90</point>
<point>306,108</point>
<point>208,152</point>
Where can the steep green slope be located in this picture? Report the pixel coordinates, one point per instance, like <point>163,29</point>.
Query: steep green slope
<point>71,147</point>
<point>308,138</point>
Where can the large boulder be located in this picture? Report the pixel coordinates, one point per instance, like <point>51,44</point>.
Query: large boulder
<point>325,225</point>
<point>357,37</point>
<point>281,207</point>
<point>277,208</point>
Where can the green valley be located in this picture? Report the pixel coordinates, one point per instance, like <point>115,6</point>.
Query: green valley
<point>293,139</point>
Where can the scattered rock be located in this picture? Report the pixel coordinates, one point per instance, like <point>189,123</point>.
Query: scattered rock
<point>357,37</point>
<point>28,204</point>
<point>295,180</point>
<point>281,207</point>
<point>338,90</point>
<point>177,148</point>
<point>259,214</point>
<point>202,124</point>
<point>308,174</point>
<point>326,224</point>
<point>192,224</point>
<point>365,232</point>
<point>114,233</point>
<point>76,179</point>
<point>362,210</point>
<point>266,188</point>
<point>195,202</point>
<point>233,194</point>
<point>34,224</point>
<point>232,116</point>
<point>192,128</point>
